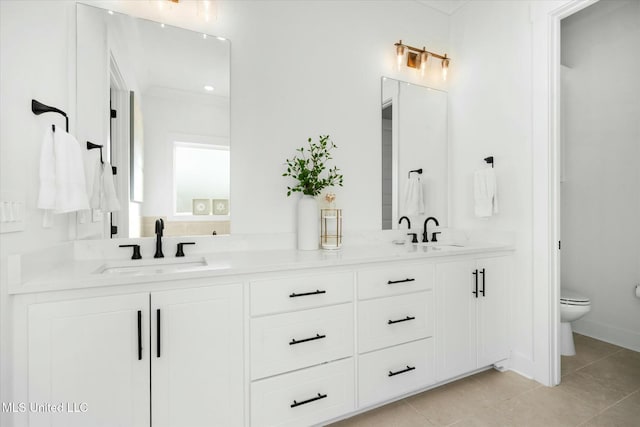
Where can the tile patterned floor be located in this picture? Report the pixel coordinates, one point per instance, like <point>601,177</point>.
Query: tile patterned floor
<point>600,388</point>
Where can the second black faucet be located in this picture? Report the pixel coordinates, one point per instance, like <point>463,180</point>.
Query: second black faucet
<point>425,235</point>
<point>159,229</point>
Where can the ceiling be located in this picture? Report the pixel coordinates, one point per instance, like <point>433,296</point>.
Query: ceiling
<point>446,6</point>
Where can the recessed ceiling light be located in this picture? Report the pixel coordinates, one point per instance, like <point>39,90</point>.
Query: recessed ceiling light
<point>208,88</point>
<point>161,25</point>
<point>204,36</point>
<point>110,12</point>
<point>221,39</point>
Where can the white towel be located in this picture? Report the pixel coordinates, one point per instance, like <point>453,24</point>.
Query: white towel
<point>62,183</point>
<point>485,192</point>
<point>103,192</point>
<point>108,200</point>
<point>413,196</point>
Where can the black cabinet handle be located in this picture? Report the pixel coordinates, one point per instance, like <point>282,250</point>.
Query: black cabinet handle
<point>409,368</point>
<point>392,282</point>
<point>139,334</point>
<point>158,333</point>
<point>483,282</point>
<point>391,322</point>
<point>317,337</point>
<point>475,273</point>
<point>316,292</point>
<point>304,402</point>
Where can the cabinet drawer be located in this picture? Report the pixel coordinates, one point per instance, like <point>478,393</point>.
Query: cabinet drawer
<point>395,320</point>
<point>388,373</point>
<point>305,397</point>
<point>395,279</point>
<point>301,292</point>
<point>290,341</point>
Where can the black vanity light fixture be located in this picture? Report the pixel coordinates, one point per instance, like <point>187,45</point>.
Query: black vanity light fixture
<point>417,58</point>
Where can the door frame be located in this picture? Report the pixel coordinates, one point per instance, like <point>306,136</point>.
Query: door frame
<point>546,17</point>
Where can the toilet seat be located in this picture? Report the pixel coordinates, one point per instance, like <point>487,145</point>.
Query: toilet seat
<point>571,298</point>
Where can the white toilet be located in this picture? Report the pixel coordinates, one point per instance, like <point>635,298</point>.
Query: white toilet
<point>572,307</point>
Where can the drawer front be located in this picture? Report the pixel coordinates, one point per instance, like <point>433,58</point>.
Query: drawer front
<point>290,341</point>
<point>395,320</point>
<point>391,372</point>
<point>301,292</point>
<point>395,279</point>
<point>305,397</point>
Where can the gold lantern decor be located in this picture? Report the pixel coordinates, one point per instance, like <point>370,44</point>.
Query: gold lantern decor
<point>330,225</point>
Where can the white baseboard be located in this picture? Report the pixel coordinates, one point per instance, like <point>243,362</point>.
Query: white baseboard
<point>611,334</point>
<point>522,365</point>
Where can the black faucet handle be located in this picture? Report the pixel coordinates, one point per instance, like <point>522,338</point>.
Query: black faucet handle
<point>136,251</point>
<point>180,251</point>
<point>434,236</point>
<point>415,237</point>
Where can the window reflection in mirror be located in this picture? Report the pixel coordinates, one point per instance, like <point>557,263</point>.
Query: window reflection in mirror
<point>164,83</point>
<point>414,136</point>
<point>201,179</point>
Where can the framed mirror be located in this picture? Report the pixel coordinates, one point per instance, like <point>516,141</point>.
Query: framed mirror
<point>414,153</point>
<point>156,98</point>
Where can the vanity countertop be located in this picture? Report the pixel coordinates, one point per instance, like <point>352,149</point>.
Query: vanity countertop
<point>81,274</point>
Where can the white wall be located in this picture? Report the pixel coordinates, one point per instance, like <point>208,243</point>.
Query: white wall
<point>301,69</point>
<point>490,115</point>
<point>601,186</point>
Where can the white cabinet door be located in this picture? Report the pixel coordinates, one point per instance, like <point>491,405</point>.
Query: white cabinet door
<point>197,363</point>
<point>456,319</point>
<point>91,355</point>
<point>492,322</point>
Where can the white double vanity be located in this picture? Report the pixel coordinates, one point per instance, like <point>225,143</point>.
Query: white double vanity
<point>260,338</point>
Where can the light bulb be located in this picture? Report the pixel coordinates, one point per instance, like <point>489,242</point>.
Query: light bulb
<point>445,67</point>
<point>424,56</point>
<point>399,53</point>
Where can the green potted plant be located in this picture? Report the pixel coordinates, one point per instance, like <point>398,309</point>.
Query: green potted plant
<point>309,168</point>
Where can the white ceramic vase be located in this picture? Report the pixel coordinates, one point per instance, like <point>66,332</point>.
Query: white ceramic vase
<point>308,223</point>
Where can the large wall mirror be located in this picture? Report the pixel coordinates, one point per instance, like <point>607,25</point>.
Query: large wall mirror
<point>156,97</point>
<point>414,153</point>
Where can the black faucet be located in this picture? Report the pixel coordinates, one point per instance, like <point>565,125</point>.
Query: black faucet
<point>159,228</point>
<point>426,221</point>
<point>408,222</point>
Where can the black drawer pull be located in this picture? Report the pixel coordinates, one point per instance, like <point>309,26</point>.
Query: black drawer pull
<point>475,273</point>
<point>158,333</point>
<point>391,322</point>
<point>392,282</point>
<point>483,283</point>
<point>316,292</point>
<point>409,368</point>
<point>317,337</point>
<point>139,334</point>
<point>304,402</point>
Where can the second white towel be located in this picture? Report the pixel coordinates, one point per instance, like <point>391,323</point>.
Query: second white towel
<point>413,196</point>
<point>485,192</point>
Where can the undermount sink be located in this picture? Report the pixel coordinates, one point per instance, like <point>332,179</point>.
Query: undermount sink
<point>440,245</point>
<point>155,266</point>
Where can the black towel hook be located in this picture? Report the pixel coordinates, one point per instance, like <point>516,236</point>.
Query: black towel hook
<point>39,108</point>
<point>489,160</point>
<point>91,146</point>
<point>418,171</point>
